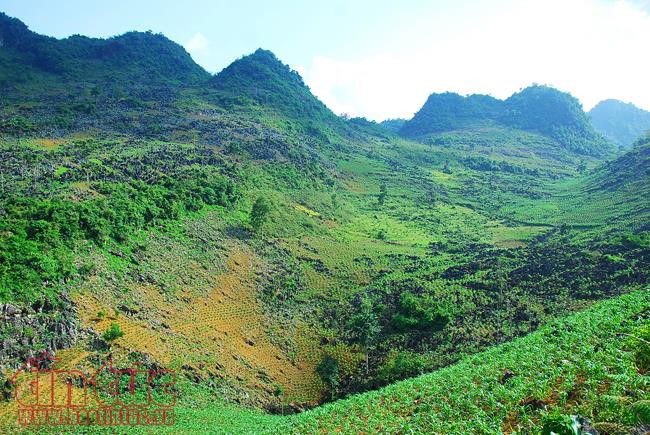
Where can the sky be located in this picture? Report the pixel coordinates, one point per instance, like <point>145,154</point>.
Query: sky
<point>382,58</point>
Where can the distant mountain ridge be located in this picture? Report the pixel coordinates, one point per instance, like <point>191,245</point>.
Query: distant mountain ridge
<point>539,109</point>
<point>621,123</point>
<point>134,56</point>
<point>450,111</point>
<point>393,125</point>
<point>88,75</point>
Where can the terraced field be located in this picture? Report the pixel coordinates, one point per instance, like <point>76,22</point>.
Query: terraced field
<point>572,366</point>
<point>220,335</point>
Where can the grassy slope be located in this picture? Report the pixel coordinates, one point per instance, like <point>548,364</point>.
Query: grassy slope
<point>574,365</point>
<point>610,195</point>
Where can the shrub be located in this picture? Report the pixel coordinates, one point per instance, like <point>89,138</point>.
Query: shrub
<point>113,332</point>
<point>401,365</point>
<point>420,312</point>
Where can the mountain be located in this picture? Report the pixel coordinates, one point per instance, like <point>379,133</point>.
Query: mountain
<point>274,256</point>
<point>539,109</point>
<point>141,58</point>
<point>622,123</point>
<point>450,111</point>
<point>262,80</point>
<point>393,125</point>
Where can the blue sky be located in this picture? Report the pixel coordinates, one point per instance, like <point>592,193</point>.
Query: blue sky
<point>380,58</point>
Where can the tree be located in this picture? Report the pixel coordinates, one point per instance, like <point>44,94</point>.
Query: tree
<point>328,370</point>
<point>260,213</point>
<point>383,192</point>
<point>335,203</point>
<point>365,326</point>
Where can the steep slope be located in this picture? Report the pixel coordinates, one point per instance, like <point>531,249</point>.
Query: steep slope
<point>260,79</point>
<point>630,169</point>
<point>539,109</point>
<point>570,367</point>
<point>622,123</point>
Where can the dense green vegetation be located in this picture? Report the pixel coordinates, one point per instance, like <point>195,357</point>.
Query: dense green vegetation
<point>540,109</point>
<point>100,198</point>
<point>622,123</point>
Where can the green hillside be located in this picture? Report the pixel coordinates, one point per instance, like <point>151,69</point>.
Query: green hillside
<point>278,258</point>
<point>540,109</point>
<point>260,79</point>
<point>622,123</point>
<point>570,367</point>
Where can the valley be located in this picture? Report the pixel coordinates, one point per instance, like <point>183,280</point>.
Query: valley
<point>305,272</point>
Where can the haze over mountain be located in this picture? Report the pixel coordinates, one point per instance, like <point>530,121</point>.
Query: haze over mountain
<point>622,123</point>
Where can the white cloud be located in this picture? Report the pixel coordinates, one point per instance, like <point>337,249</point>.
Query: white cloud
<point>198,43</point>
<point>591,48</point>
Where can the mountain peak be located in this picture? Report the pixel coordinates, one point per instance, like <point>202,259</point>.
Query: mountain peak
<point>262,79</point>
<point>620,122</point>
<point>537,108</point>
<point>261,66</point>
<point>543,108</point>
<point>450,111</point>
